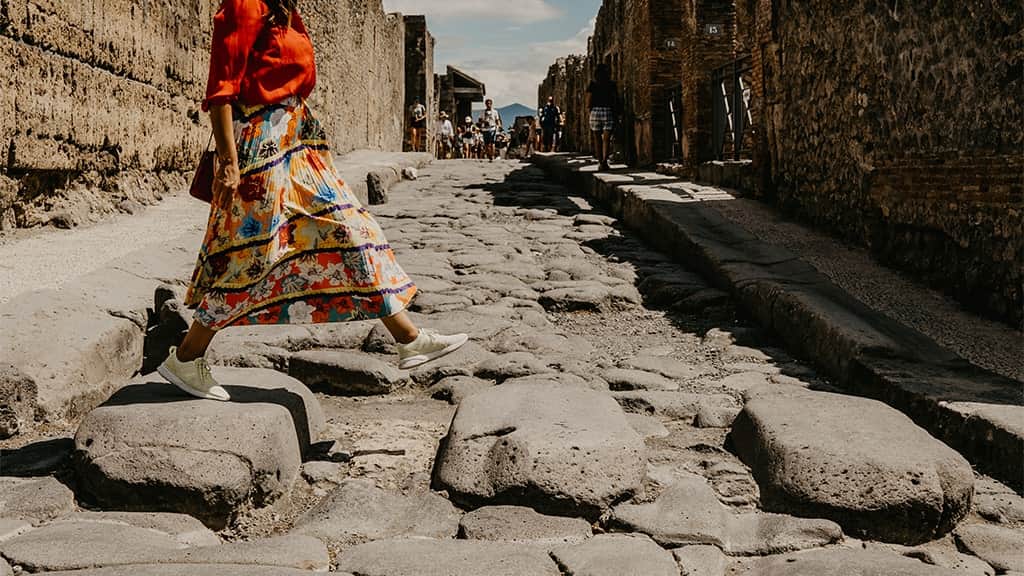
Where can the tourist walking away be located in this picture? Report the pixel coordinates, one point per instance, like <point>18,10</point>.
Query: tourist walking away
<point>468,137</point>
<point>602,96</point>
<point>418,123</point>
<point>287,242</point>
<point>445,136</point>
<point>549,116</point>
<point>530,136</point>
<point>490,124</point>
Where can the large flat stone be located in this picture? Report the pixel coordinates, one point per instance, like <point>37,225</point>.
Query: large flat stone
<point>183,528</point>
<point>1001,547</point>
<point>152,448</point>
<point>357,511</point>
<point>675,405</point>
<point>615,555</point>
<point>561,449</point>
<point>842,561</point>
<point>689,513</point>
<point>346,373</point>
<point>521,524</point>
<point>34,500</point>
<point>79,545</point>
<point>446,558</point>
<point>701,561</point>
<point>855,461</point>
<point>620,379</point>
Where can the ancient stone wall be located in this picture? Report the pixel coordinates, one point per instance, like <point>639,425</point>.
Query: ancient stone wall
<point>99,102</point>
<point>419,76</point>
<point>899,126</point>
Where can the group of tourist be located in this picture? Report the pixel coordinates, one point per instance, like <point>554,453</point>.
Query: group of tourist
<point>487,137</point>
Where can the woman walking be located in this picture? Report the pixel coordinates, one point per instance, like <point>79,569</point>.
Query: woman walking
<point>287,242</point>
<point>602,96</point>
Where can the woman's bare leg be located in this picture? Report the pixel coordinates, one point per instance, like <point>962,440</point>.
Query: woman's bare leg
<point>195,343</point>
<point>606,137</point>
<point>401,327</point>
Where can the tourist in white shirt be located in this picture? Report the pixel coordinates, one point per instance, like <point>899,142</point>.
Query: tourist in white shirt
<point>445,136</point>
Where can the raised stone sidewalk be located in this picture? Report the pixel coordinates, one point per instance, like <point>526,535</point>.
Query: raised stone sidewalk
<point>64,350</point>
<point>976,411</point>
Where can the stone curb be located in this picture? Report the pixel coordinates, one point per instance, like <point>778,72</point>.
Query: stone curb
<point>975,411</point>
<point>63,352</point>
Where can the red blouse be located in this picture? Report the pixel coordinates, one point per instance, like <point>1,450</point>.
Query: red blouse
<point>254,62</point>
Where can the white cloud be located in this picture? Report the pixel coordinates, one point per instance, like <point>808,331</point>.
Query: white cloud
<point>525,10</point>
<point>512,74</point>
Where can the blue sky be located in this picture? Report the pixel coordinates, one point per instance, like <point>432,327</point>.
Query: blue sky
<point>506,44</point>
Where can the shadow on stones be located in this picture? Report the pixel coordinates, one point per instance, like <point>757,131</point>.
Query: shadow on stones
<point>695,308</point>
<point>164,393</point>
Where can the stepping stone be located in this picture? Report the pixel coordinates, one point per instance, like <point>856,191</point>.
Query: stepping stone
<point>842,561</point>
<point>620,379</point>
<point>519,339</point>
<point>35,500</point>
<point>615,555</point>
<point>1002,548</point>
<point>561,449</point>
<point>189,569</point>
<point>521,524</point>
<point>185,529</point>
<point>510,365</point>
<point>855,461</point>
<point>689,512</point>
<point>153,448</point>
<point>446,558</point>
<point>427,303</point>
<point>346,373</point>
<point>701,561</point>
<point>357,511</point>
<point>455,389</point>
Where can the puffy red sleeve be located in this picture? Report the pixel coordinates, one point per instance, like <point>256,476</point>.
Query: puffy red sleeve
<point>236,27</point>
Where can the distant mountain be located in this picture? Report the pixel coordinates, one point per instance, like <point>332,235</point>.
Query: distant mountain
<point>509,113</point>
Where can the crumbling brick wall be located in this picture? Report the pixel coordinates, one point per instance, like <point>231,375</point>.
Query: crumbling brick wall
<point>99,102</point>
<point>899,125</point>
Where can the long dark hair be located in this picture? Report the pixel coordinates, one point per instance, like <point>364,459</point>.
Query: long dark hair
<point>281,11</point>
<point>603,73</point>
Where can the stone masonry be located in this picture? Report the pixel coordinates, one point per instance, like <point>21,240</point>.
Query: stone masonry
<point>419,74</point>
<point>100,108</point>
<point>890,125</point>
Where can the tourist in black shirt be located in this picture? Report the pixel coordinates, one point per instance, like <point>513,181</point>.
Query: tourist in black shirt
<point>549,123</point>
<point>602,96</point>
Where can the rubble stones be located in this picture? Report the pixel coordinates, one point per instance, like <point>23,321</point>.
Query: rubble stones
<point>562,449</point>
<point>615,555</point>
<point>357,511</point>
<point>346,373</point>
<point>521,524</point>
<point>446,558</point>
<point>153,448</point>
<point>35,500</point>
<point>853,460</point>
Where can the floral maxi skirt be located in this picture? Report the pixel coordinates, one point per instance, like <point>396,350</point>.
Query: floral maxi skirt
<point>293,245</point>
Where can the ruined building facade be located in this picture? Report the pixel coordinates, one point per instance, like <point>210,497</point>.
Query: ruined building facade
<point>99,105</point>
<point>419,76</point>
<point>894,125</point>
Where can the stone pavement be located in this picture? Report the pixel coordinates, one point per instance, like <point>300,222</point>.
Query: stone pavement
<point>615,414</point>
<point>976,411</point>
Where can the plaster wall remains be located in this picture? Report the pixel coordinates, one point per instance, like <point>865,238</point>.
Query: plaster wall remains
<point>99,105</point>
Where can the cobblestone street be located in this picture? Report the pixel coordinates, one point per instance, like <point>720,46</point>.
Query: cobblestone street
<point>612,415</point>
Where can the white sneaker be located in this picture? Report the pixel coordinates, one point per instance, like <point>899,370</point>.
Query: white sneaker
<point>429,345</point>
<point>192,377</point>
